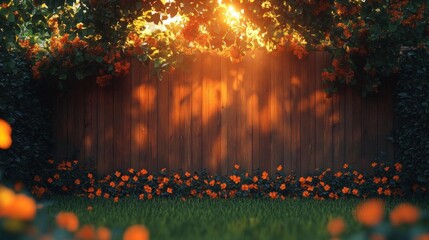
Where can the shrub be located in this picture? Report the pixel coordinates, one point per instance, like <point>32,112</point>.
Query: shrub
<point>22,107</point>
<point>412,112</point>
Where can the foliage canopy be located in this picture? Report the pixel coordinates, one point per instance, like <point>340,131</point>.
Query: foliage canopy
<point>94,38</point>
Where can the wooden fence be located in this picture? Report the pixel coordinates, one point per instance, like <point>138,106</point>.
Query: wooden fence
<point>258,113</point>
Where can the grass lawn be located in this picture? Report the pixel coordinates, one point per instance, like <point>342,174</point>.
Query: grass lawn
<point>218,219</point>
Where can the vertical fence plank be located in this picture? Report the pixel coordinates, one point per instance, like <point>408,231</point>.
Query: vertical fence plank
<point>224,117</point>
<point>319,111</point>
<point>163,122</point>
<point>232,113</point>
<point>244,112</point>
<point>215,93</point>
<point>174,121</point>
<point>286,65</point>
<point>185,117</point>
<point>296,109</point>
<point>109,141</point>
<point>328,129</point>
<point>356,105</point>
<point>196,120</point>
<point>136,137</point>
<point>126,124</point>
<point>276,102</point>
<point>338,129</point>
<point>265,120</point>
<point>152,120</point>
<point>101,131</point>
<point>90,124</point>
<point>255,105</point>
<point>240,126</point>
<point>118,127</point>
<point>369,132</point>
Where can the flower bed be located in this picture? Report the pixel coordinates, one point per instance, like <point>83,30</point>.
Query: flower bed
<point>65,177</point>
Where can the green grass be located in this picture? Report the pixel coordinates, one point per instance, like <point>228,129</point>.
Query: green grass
<point>218,219</point>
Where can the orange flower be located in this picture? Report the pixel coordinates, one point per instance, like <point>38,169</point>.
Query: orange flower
<point>309,179</point>
<point>56,176</point>
<point>302,180</point>
<point>50,180</point>
<point>196,177</point>
<point>5,134</point>
<point>396,178</point>
<point>131,170</point>
<point>374,164</point>
<point>279,167</point>
<point>283,186</point>
<point>112,184</point>
<point>345,190</point>
<point>106,195</point>
<point>150,178</point>
<point>86,232</point>
<point>424,236</point>
<point>170,190</point>
<point>244,187</point>
<point>79,26</point>
<point>90,208</point>
<point>90,175</point>
<point>404,213</point>
<point>380,190</point>
<point>116,199</point>
<point>327,187</point>
<point>386,169</point>
<point>384,180</point>
<point>77,181</point>
<point>345,165</point>
<point>355,192</point>
<point>147,189</point>
<point>98,192</point>
<point>117,174</point>
<point>370,213</point>
<point>67,221</point>
<point>103,233</point>
<point>336,226</point>
<point>398,167</point>
<point>255,179</point>
<point>19,206</point>
<point>305,194</point>
<point>338,174</point>
<point>141,196</point>
<point>387,192</point>
<point>135,178</point>
<point>125,178</point>
<point>236,166</point>
<point>235,179</point>
<point>136,232</point>
<point>187,174</point>
<point>223,186</point>
<point>143,171</point>
<point>273,195</point>
<point>37,178</point>
<point>264,175</point>
<point>376,180</point>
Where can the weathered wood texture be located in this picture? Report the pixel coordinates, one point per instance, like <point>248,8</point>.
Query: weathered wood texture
<point>259,113</point>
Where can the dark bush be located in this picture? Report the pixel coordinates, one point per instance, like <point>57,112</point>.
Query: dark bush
<point>21,105</point>
<point>412,112</point>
